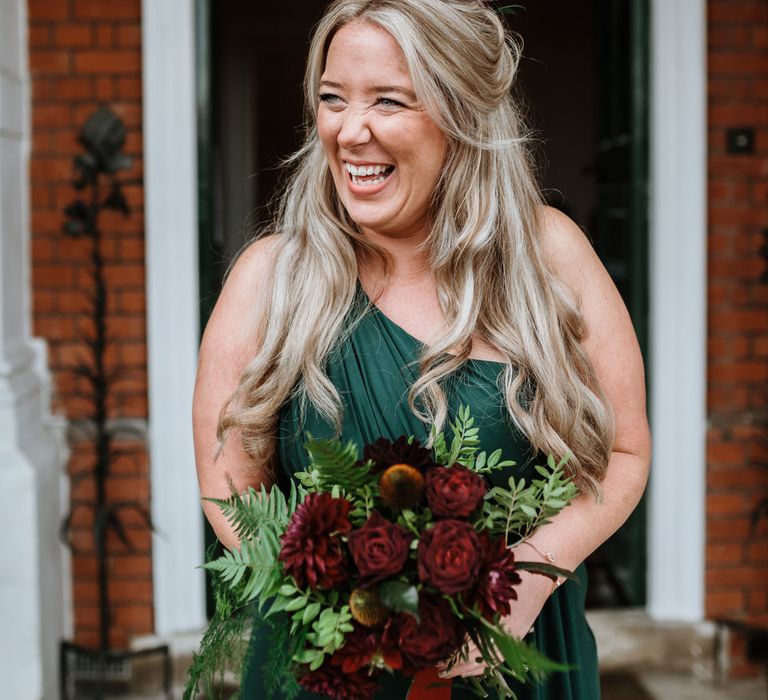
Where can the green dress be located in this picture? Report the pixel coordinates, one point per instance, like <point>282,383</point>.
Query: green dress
<point>373,371</point>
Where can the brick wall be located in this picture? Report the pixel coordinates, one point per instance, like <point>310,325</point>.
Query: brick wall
<point>85,53</point>
<point>737,558</point>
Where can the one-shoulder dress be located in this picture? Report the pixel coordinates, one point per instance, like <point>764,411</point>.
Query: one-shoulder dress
<point>373,371</point>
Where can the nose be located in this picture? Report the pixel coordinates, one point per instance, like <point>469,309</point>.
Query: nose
<point>355,129</point>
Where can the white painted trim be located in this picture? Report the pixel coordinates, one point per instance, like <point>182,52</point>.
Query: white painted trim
<point>678,301</point>
<point>33,593</point>
<point>170,175</point>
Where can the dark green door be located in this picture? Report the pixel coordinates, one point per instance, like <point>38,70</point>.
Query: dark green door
<point>619,231</point>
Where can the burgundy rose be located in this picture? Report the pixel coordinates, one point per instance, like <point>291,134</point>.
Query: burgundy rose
<point>380,549</point>
<point>363,644</point>
<point>434,638</point>
<point>454,492</point>
<point>312,551</point>
<point>331,680</point>
<point>497,578</point>
<point>450,555</point>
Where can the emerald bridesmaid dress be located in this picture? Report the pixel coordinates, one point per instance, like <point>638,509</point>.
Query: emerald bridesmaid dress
<point>373,371</point>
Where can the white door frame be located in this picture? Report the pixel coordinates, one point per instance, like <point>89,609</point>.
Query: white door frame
<point>173,325</point>
<point>677,277</point>
<point>678,280</point>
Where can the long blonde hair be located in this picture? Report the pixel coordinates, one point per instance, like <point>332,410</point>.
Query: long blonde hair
<point>483,247</point>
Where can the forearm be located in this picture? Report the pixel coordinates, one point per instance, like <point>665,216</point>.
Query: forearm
<point>580,528</point>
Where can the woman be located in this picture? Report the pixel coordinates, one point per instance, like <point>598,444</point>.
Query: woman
<point>413,267</point>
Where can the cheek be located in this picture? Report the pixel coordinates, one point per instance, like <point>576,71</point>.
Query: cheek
<point>327,130</point>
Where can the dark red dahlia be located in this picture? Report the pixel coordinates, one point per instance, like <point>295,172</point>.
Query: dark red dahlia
<point>332,681</point>
<point>497,579</point>
<point>364,645</point>
<point>454,492</point>
<point>385,453</point>
<point>312,551</point>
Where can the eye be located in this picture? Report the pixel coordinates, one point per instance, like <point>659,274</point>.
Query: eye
<point>329,98</point>
<point>389,102</point>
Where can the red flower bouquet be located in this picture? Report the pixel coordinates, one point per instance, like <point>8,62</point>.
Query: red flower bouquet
<point>390,563</point>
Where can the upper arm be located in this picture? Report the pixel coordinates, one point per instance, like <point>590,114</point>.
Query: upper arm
<point>231,338</point>
<point>610,340</point>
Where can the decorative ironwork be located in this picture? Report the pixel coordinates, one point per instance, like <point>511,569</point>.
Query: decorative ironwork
<point>102,670</point>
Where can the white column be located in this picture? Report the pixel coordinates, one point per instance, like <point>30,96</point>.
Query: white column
<point>170,176</point>
<point>32,607</point>
<point>678,257</point>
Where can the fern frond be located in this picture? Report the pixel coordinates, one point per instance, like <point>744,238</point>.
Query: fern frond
<point>336,465</point>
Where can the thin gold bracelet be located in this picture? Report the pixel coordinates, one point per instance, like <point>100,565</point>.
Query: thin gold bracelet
<point>550,557</point>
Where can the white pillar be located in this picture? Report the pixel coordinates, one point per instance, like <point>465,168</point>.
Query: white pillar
<point>173,310</point>
<point>32,583</point>
<point>678,269</point>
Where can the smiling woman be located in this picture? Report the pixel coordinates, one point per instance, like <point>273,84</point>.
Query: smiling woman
<point>411,269</point>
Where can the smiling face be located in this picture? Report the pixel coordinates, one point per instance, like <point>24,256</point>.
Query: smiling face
<point>385,152</point>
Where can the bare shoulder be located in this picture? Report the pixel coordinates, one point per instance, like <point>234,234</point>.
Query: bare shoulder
<point>242,304</point>
<point>567,251</point>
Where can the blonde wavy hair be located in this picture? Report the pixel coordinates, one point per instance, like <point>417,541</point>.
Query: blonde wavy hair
<point>483,247</point>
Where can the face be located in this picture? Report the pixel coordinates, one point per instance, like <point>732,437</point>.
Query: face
<point>385,152</point>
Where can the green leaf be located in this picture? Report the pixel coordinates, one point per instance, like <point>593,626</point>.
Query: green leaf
<point>548,570</point>
<point>310,613</point>
<point>399,596</point>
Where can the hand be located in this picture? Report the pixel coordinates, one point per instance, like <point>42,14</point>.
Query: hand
<point>532,593</point>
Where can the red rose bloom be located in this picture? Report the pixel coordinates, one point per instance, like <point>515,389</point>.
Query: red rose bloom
<point>435,638</point>
<point>312,551</point>
<point>454,492</point>
<point>379,548</point>
<point>332,681</point>
<point>497,578</point>
<point>450,555</point>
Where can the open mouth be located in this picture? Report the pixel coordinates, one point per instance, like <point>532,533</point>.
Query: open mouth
<point>369,174</point>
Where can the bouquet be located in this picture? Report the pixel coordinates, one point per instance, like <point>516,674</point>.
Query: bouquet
<point>385,564</point>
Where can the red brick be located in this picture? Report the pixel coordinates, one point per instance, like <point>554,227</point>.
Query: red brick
<point>74,89</point>
<point>736,576</point>
<point>722,603</point>
<point>725,504</point>
<point>129,35</point>
<point>105,89</point>
<point>129,88</point>
<point>726,453</point>
<point>737,477</point>
<point>49,61</point>
<point>736,114</point>
<point>724,554</point>
<point>136,591</point>
<point>117,62</point>
<point>740,320</point>
<point>137,618</point>
<point>131,565</point>
<point>51,169</point>
<point>73,35</point>
<point>39,36</point>
<point>114,9</point>
<point>54,115</point>
<point>760,36</point>
<point>739,371</point>
<point>105,35</point>
<point>47,9</point>
<point>737,63</point>
<point>736,12</point>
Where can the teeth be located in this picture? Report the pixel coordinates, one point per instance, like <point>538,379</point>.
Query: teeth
<point>365,170</point>
<point>366,183</point>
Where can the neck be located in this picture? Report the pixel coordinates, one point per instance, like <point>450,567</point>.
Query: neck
<point>409,262</point>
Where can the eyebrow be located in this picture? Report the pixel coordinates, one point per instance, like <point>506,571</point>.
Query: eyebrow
<point>377,89</point>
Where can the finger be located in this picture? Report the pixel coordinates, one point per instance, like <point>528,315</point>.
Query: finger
<point>464,670</point>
